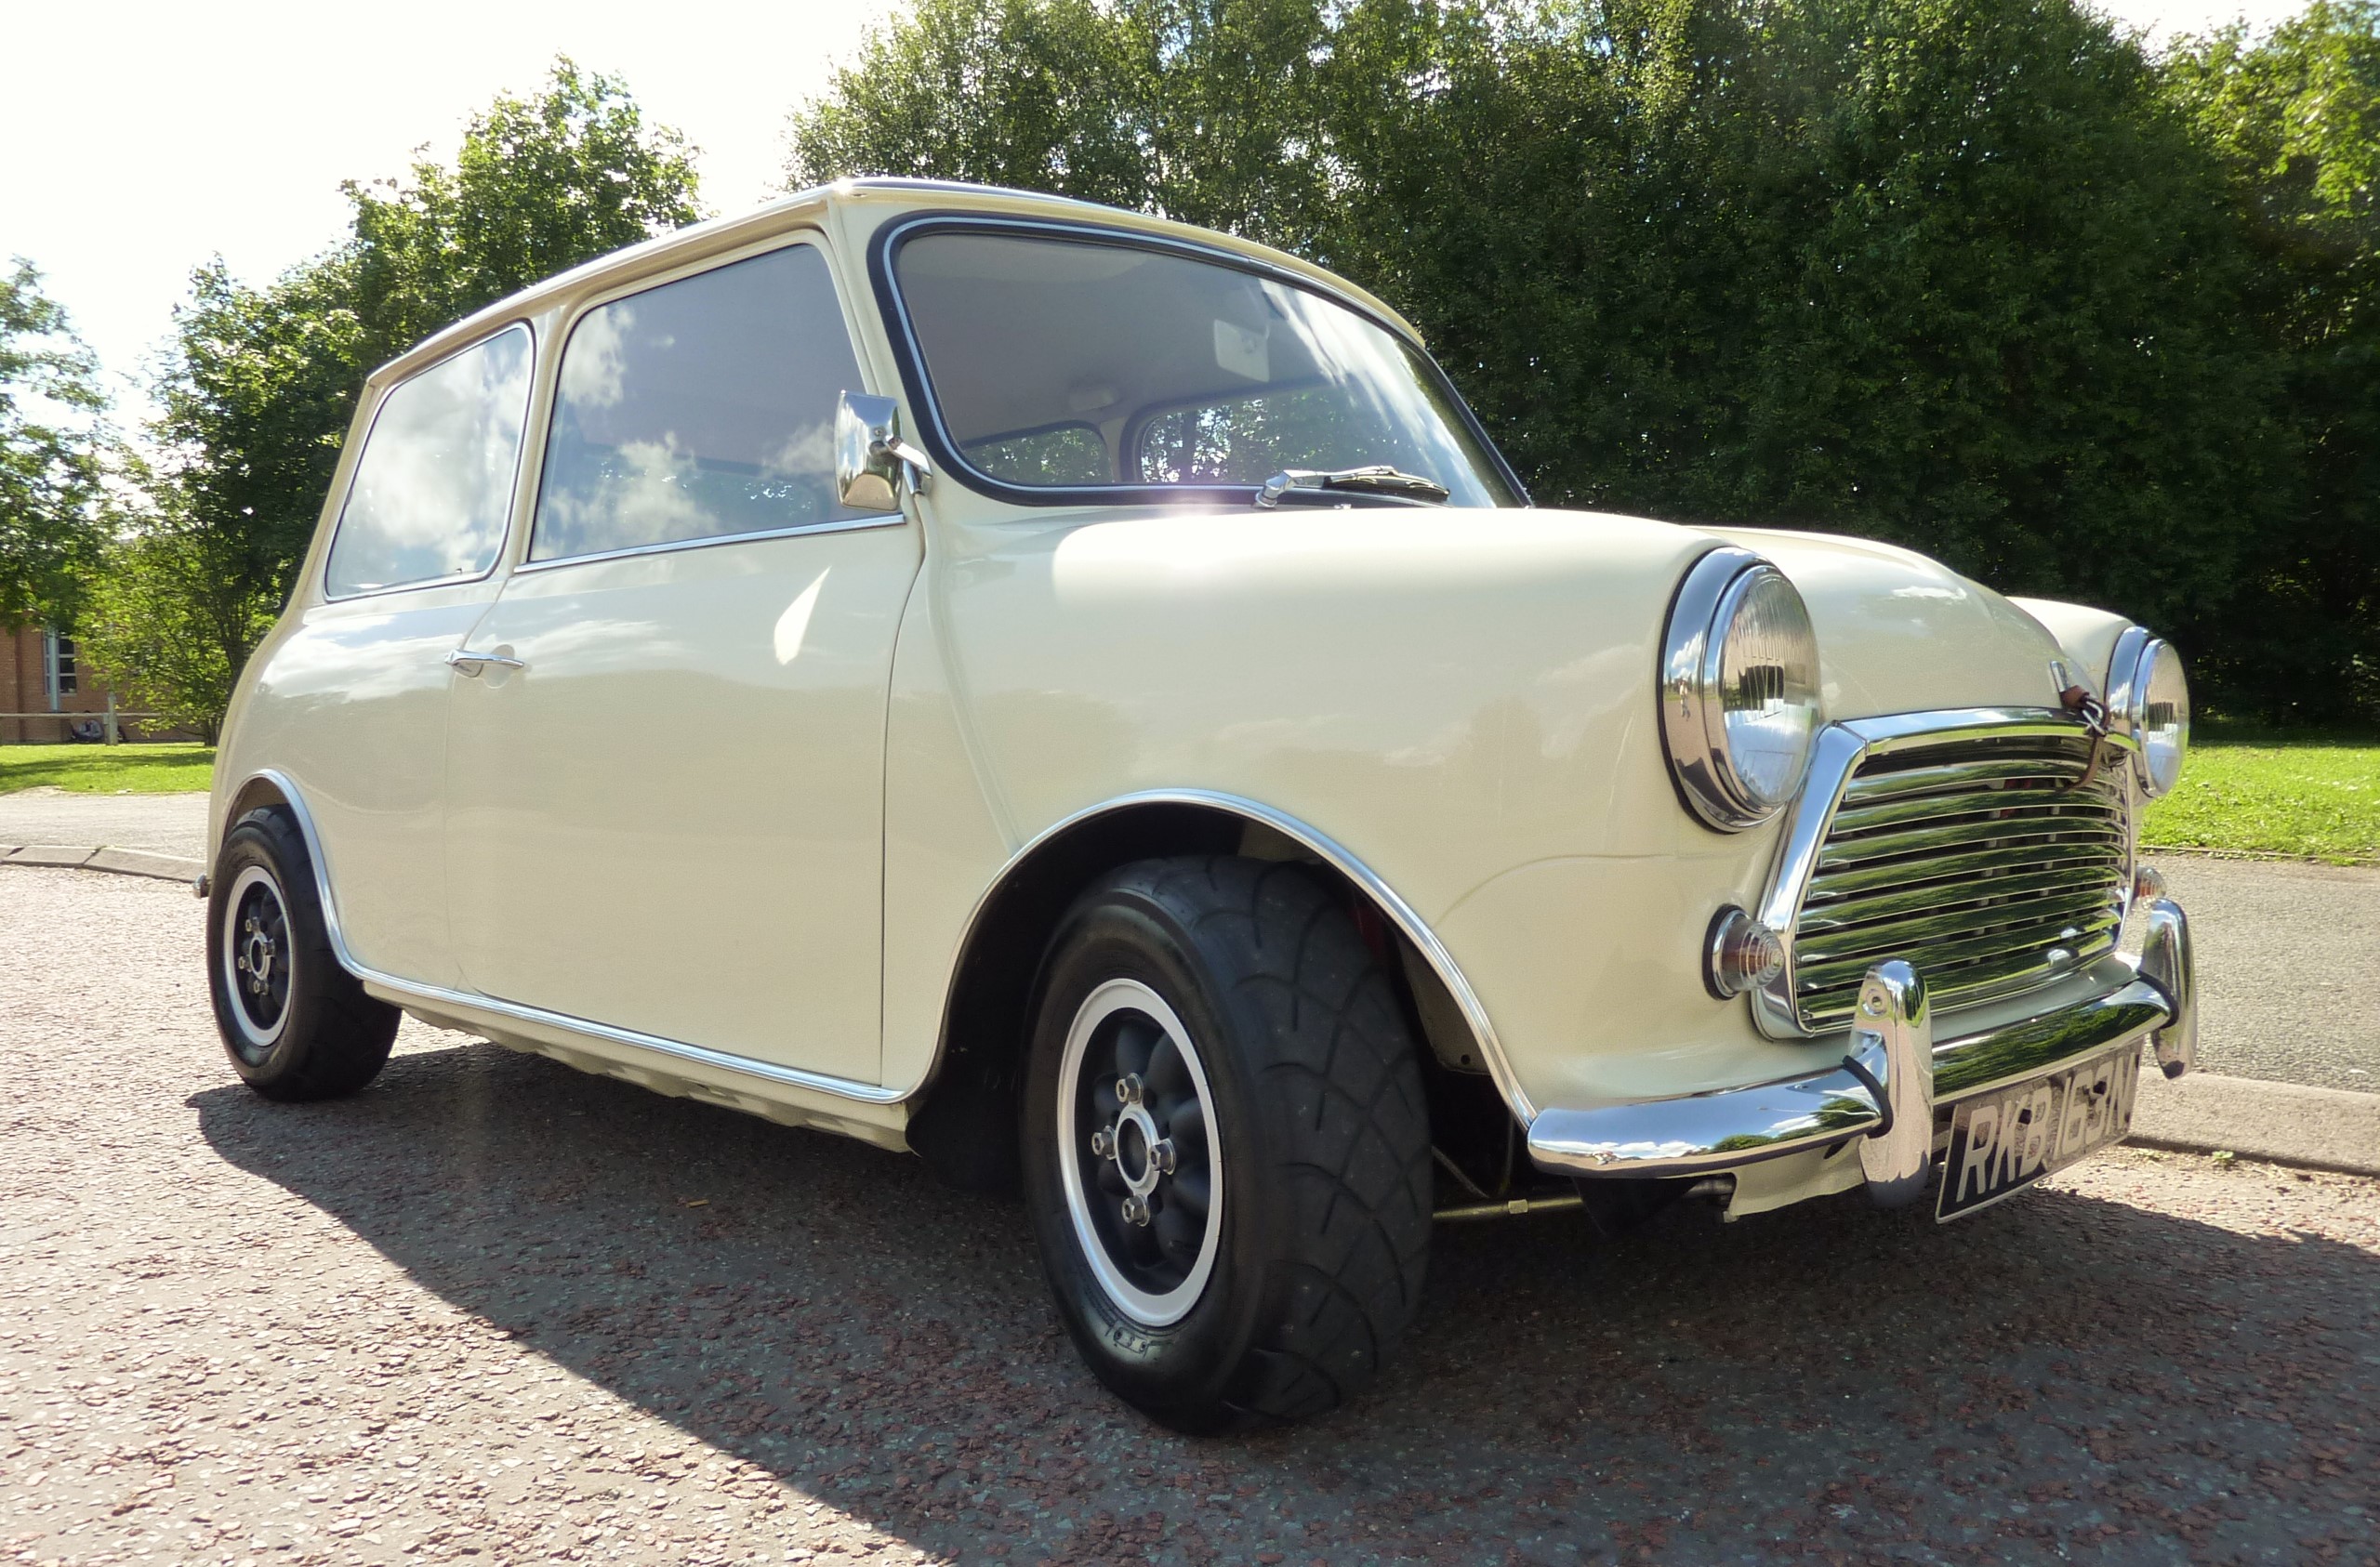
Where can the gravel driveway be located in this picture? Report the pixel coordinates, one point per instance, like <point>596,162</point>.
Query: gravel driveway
<point>492,1310</point>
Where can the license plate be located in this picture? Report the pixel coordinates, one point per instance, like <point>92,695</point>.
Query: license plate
<point>2003,1141</point>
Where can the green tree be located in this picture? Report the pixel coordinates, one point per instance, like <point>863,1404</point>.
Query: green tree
<point>172,613</point>
<point>260,383</point>
<point>257,393</point>
<point>540,184</point>
<point>52,450</point>
<point>2295,116</point>
<point>1957,273</point>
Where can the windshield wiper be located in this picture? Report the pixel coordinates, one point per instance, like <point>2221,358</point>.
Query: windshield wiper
<point>1378,479</point>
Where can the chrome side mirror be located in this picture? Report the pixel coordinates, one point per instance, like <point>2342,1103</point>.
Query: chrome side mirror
<point>871,456</point>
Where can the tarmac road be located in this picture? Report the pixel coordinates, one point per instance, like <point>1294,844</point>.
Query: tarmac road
<point>492,1310</point>
<point>2289,960</point>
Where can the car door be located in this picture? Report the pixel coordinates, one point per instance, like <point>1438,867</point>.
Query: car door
<point>354,699</point>
<point>665,787</point>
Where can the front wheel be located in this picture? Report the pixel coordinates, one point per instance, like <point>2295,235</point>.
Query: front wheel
<point>296,1024</point>
<point>1226,1144</point>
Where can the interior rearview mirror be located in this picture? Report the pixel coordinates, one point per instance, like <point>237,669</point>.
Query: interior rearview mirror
<point>871,460</point>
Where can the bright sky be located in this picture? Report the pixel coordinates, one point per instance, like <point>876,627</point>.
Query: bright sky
<point>142,138</point>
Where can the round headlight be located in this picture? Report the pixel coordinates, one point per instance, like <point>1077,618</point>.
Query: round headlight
<point>2160,716</point>
<point>1740,689</point>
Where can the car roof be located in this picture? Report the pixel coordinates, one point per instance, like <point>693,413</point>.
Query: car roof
<point>889,197</point>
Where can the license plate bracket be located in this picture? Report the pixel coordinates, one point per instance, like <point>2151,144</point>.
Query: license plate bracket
<point>2003,1141</point>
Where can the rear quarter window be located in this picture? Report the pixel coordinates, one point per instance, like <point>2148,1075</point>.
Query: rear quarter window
<point>433,486</point>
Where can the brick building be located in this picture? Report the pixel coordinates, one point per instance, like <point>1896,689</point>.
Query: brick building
<point>39,674</point>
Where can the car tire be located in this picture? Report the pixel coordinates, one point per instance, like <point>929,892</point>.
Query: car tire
<point>1227,1010</point>
<point>296,1024</point>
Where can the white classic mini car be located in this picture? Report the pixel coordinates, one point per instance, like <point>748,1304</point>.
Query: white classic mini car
<point>1081,699</point>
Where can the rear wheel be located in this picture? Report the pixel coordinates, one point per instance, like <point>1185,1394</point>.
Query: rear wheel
<point>296,1024</point>
<point>1226,1143</point>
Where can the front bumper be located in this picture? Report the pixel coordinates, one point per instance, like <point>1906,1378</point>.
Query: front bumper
<point>1890,1080</point>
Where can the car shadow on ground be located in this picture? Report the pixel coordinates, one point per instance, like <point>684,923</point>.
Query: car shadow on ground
<point>2070,1375</point>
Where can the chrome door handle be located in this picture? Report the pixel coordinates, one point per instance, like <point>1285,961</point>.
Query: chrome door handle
<point>463,661</point>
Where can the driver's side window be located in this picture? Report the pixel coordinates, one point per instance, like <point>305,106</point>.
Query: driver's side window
<point>701,409</point>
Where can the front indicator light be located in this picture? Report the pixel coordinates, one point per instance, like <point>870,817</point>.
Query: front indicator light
<point>1738,954</point>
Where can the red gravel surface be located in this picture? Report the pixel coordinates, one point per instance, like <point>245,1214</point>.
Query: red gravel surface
<point>496,1311</point>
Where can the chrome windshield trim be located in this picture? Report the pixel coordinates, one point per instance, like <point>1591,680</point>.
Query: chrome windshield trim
<point>440,995</point>
<point>671,546</point>
<point>910,358</point>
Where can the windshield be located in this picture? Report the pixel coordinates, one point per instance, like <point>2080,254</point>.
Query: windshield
<point>1057,363</point>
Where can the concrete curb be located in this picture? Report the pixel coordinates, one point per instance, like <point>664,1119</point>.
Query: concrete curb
<point>2282,1122</point>
<point>122,862</point>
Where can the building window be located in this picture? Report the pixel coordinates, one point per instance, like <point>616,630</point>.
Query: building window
<point>57,661</point>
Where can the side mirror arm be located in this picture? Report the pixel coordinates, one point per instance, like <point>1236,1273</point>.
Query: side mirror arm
<point>871,460</point>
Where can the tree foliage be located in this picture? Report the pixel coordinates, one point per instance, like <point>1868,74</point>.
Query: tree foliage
<point>260,382</point>
<point>1974,275</point>
<point>540,185</point>
<point>2296,116</point>
<point>172,613</point>
<point>51,456</point>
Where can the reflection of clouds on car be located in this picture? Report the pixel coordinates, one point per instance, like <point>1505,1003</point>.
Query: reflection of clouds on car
<point>435,480</point>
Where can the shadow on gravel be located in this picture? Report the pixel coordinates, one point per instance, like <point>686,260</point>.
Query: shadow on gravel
<point>2066,1377</point>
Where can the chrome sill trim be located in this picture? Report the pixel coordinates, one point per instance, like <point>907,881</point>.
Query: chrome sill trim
<point>769,1072</point>
<point>1697,1134</point>
<point>1329,850</point>
<point>439,995</point>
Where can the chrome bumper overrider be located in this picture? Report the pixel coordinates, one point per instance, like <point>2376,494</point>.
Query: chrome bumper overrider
<point>1887,1085</point>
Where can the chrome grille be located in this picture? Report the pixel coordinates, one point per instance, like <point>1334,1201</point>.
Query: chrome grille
<point>1978,861</point>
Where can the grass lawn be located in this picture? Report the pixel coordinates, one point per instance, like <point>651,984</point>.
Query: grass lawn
<point>2241,789</point>
<point>108,769</point>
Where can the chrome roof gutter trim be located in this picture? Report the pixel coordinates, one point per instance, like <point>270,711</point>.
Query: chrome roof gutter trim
<point>1891,1074</point>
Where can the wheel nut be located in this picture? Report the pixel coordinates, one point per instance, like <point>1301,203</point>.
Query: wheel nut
<point>1161,1156</point>
<point>1135,1211</point>
<point>1103,1144</point>
<point>1127,1088</point>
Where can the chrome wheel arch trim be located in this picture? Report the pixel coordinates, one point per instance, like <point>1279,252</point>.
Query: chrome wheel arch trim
<point>1331,851</point>
<point>1328,849</point>
<point>445,998</point>
<point>1323,846</point>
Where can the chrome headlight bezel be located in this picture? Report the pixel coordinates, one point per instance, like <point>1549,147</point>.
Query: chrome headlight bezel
<point>2149,707</point>
<point>1712,779</point>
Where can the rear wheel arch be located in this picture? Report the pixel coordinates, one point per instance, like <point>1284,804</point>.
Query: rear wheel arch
<point>264,789</point>
<point>964,1120</point>
<point>270,789</point>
